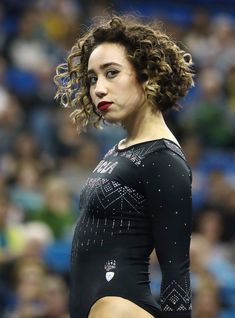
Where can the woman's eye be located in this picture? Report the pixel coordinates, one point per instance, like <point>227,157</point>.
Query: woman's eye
<point>112,74</point>
<point>92,80</point>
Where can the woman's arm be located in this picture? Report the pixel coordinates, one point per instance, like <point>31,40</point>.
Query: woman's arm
<point>167,185</point>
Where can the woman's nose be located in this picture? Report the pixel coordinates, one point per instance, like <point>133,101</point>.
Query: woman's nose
<point>101,90</point>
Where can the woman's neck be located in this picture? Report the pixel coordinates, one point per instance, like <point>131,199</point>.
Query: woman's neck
<point>146,126</point>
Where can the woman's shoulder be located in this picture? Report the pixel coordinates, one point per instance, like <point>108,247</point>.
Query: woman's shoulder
<point>148,147</point>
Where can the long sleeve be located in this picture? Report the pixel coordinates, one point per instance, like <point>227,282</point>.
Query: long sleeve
<point>167,185</point>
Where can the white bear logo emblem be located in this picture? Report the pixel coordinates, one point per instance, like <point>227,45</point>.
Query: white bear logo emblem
<point>109,266</point>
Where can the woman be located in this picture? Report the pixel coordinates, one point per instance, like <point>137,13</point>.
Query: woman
<point>139,196</point>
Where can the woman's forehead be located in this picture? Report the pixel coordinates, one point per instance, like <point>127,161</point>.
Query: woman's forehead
<point>107,53</point>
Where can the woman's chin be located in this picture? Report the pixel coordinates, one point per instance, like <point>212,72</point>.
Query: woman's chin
<point>111,119</point>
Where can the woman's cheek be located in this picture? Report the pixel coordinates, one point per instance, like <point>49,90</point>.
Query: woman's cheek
<point>91,92</point>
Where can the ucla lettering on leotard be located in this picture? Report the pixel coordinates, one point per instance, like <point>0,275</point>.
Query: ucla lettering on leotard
<point>105,166</point>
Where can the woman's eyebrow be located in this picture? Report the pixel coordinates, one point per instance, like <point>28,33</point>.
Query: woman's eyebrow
<point>103,66</point>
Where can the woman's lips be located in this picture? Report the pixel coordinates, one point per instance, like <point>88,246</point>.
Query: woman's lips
<point>104,105</point>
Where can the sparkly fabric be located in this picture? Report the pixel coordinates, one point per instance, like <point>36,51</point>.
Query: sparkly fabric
<point>135,200</point>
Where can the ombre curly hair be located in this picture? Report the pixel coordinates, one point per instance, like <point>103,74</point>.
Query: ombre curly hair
<point>164,68</point>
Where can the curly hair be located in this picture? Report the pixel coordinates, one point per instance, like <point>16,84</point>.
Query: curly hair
<point>165,69</point>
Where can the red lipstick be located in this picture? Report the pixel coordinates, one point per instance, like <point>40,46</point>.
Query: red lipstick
<point>104,105</point>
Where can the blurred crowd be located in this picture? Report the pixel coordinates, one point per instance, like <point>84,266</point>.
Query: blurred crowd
<point>44,164</point>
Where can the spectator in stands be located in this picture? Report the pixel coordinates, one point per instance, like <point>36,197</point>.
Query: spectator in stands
<point>27,191</point>
<point>55,297</point>
<point>29,278</point>
<point>206,302</point>
<point>57,211</point>
<point>12,239</point>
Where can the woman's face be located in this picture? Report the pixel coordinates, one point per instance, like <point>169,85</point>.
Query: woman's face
<point>114,88</point>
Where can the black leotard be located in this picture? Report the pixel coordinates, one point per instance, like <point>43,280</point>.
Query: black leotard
<point>136,199</point>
